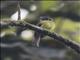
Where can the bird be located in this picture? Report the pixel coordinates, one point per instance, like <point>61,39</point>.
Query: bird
<point>45,23</point>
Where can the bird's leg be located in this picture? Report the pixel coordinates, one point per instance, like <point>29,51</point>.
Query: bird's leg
<point>36,39</point>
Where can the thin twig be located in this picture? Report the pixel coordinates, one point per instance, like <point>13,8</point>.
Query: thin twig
<point>19,12</point>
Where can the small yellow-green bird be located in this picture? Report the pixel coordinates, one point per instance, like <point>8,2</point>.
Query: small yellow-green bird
<point>46,23</point>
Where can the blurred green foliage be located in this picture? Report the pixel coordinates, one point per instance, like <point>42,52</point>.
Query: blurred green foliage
<point>63,25</point>
<point>47,5</point>
<point>68,28</point>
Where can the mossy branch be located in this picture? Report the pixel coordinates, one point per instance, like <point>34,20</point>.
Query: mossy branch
<point>70,43</point>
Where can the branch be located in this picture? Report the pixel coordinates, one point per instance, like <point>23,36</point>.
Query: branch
<point>18,8</point>
<point>70,43</point>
